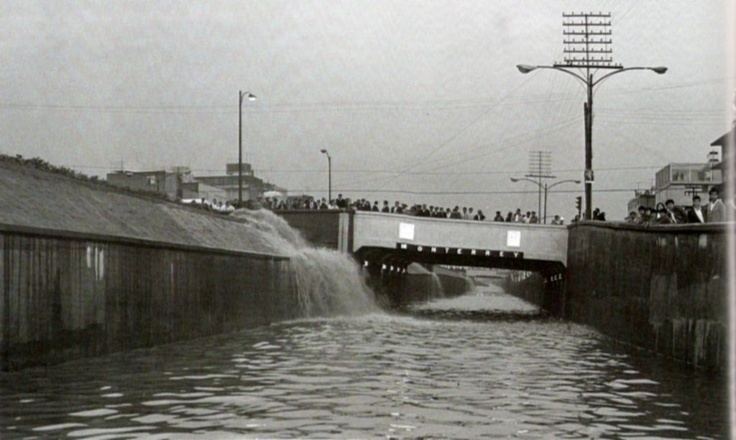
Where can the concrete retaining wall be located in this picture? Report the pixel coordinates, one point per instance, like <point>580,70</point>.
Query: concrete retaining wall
<point>325,228</point>
<point>65,295</point>
<point>660,288</point>
<point>396,289</point>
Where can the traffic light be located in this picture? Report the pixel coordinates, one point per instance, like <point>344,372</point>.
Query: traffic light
<point>579,203</point>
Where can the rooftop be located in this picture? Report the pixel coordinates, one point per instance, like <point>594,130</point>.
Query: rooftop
<point>726,139</point>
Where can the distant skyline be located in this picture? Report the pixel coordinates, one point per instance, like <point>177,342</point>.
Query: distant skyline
<point>411,98</point>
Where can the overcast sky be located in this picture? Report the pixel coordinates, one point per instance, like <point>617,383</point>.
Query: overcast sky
<point>416,96</point>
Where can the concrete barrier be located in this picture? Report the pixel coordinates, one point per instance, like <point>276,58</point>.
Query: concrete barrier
<point>66,295</point>
<point>662,288</point>
<point>330,229</point>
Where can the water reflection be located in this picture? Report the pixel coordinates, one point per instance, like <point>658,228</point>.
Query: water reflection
<point>374,376</point>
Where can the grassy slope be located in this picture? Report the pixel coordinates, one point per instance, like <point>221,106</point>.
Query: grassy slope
<point>31,197</point>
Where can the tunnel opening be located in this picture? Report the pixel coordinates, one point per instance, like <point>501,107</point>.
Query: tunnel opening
<point>401,278</point>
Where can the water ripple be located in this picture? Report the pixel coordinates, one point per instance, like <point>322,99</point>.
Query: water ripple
<point>448,369</point>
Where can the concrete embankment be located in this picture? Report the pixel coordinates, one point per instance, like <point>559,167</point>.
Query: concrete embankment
<point>661,288</point>
<point>88,270</point>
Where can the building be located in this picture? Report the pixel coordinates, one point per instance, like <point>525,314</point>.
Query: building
<point>253,187</point>
<point>680,181</point>
<point>159,181</point>
<point>726,142</point>
<point>179,183</point>
<point>644,198</point>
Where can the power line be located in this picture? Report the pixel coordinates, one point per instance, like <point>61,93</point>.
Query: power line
<point>449,193</point>
<point>382,171</point>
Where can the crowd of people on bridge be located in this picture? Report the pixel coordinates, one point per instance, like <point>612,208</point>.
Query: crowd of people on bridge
<point>715,210</point>
<point>419,210</point>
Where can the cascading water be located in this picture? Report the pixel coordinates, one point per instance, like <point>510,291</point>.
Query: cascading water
<point>436,289</point>
<point>327,282</point>
<point>435,285</point>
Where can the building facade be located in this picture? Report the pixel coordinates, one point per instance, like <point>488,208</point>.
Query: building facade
<point>179,183</point>
<point>159,181</point>
<point>727,144</point>
<point>253,187</point>
<point>681,181</point>
<point>644,198</point>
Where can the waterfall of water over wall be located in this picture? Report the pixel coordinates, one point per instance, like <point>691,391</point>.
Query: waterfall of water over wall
<point>327,282</point>
<point>436,289</point>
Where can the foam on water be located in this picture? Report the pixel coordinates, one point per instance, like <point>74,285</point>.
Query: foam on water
<point>327,282</point>
<point>481,298</point>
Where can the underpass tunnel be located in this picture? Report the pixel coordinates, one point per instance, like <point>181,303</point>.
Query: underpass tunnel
<point>537,281</point>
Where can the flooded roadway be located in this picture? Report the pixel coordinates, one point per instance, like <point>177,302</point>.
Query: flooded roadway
<point>438,370</point>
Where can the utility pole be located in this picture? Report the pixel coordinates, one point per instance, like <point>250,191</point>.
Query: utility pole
<point>250,97</point>
<point>240,148</point>
<point>587,45</point>
<point>587,49</point>
<point>540,166</point>
<point>329,175</point>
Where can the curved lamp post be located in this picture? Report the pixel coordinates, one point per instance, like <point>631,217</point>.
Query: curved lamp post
<point>590,83</point>
<point>329,175</point>
<point>241,97</point>
<point>545,188</point>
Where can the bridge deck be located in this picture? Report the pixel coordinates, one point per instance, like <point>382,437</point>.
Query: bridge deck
<point>459,237</point>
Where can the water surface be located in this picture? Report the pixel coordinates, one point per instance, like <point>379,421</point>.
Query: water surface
<point>452,368</point>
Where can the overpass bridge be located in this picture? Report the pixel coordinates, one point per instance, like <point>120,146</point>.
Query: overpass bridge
<point>393,241</point>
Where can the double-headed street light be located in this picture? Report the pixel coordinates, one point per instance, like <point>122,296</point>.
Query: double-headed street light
<point>250,97</point>
<point>329,175</point>
<point>545,188</point>
<point>590,83</point>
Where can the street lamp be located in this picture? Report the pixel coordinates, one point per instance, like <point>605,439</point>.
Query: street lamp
<point>250,97</point>
<point>545,188</point>
<point>590,83</point>
<point>329,175</point>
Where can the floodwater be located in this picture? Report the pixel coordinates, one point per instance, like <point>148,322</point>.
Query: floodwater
<point>477,366</point>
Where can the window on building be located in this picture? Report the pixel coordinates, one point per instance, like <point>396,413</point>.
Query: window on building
<point>679,175</point>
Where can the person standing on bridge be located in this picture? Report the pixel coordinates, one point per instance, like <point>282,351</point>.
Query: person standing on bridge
<point>673,212</point>
<point>696,213</point>
<point>341,203</point>
<point>498,217</point>
<point>715,211</point>
<point>533,218</point>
